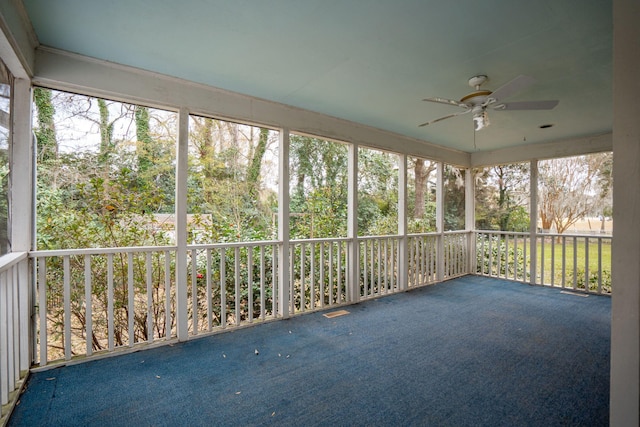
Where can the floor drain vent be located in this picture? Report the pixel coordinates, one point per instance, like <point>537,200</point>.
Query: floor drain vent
<point>574,293</point>
<point>335,314</point>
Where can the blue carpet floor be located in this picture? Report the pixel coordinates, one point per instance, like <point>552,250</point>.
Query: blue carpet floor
<point>468,352</point>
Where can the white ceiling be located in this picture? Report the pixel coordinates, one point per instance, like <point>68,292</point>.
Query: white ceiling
<point>368,61</point>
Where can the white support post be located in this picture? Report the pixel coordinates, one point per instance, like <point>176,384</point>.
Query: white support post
<point>22,208</point>
<point>284,234</point>
<point>182,153</point>
<point>440,223</point>
<point>470,220</point>
<point>625,256</point>
<point>403,228</point>
<point>353,278</point>
<point>533,221</point>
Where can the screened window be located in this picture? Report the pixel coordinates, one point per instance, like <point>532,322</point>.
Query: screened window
<point>233,181</point>
<point>106,172</point>
<point>318,189</point>
<point>5,157</point>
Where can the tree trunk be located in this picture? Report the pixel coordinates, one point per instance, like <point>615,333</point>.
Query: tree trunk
<point>145,147</point>
<point>46,132</point>
<point>253,174</point>
<point>106,130</point>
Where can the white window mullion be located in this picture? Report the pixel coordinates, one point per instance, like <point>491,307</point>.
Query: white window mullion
<point>353,262</point>
<point>181,225</point>
<point>403,244</point>
<point>284,235</point>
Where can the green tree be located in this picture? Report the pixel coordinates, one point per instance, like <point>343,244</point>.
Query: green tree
<point>318,172</point>
<point>502,197</point>
<point>45,127</point>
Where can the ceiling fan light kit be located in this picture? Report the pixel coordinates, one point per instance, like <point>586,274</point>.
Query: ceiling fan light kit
<point>479,100</point>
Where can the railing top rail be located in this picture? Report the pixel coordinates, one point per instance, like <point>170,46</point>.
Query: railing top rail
<point>458,231</point>
<point>524,233</point>
<point>436,233</point>
<point>232,244</point>
<point>322,240</point>
<point>582,236</point>
<point>100,251</point>
<point>386,236</point>
<point>430,233</point>
<point>511,233</point>
<point>11,259</point>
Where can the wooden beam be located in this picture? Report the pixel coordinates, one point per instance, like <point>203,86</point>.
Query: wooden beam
<point>66,71</point>
<point>548,150</point>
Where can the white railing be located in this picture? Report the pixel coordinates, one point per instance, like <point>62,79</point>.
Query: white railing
<point>14,324</point>
<point>456,254</point>
<point>318,274</point>
<point>101,300</point>
<point>503,254</point>
<point>379,265</point>
<point>95,300</point>
<point>231,284</point>
<point>422,249</point>
<point>90,301</point>
<point>576,262</point>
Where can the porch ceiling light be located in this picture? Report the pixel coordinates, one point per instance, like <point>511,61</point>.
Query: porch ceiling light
<point>480,120</point>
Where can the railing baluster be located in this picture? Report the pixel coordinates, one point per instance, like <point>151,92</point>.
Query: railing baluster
<point>506,256</point>
<point>130,295</point>
<point>238,312</point>
<point>15,319</point>
<point>312,271</point>
<point>599,265</point>
<point>223,288</point>
<point>339,296</point>
<point>490,244</point>
<point>194,291</point>
<point>88,301</point>
<point>167,295</point>
<point>372,268</point>
<point>586,264</point>
<point>250,283</point>
<point>9,343</point>
<point>553,262</point>
<point>378,244</point>
<point>150,320</point>
<point>209,292</point>
<point>303,250</point>
<point>386,265</point>
<point>392,265</point>
<point>42,309</point>
<point>67,307</point>
<point>262,283</point>
<point>524,259</point>
<point>575,262</point>
<point>365,268</point>
<point>292,278</point>
<point>542,260</point>
<point>331,274</point>
<point>4,340</point>
<point>322,275</point>
<point>110,303</point>
<point>564,261</point>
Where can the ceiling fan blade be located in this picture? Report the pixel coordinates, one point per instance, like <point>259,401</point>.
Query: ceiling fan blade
<point>446,101</point>
<point>444,118</point>
<point>527,105</point>
<point>511,88</point>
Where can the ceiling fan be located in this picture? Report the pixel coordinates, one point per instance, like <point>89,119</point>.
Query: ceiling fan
<point>479,100</point>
